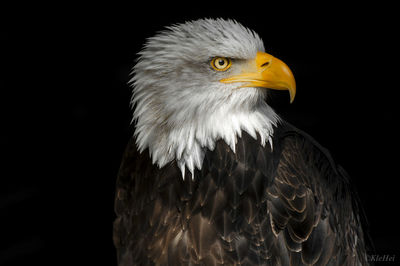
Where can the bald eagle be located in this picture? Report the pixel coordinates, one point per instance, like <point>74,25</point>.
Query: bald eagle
<point>212,175</point>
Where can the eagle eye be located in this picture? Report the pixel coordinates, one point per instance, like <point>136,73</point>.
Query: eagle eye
<point>221,63</point>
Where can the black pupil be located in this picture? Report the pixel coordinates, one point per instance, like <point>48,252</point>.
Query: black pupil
<point>221,62</point>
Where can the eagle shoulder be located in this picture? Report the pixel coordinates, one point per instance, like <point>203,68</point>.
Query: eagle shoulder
<point>312,203</point>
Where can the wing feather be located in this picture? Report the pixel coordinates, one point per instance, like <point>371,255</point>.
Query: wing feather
<point>311,204</point>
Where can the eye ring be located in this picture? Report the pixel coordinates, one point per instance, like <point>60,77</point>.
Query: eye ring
<point>221,63</point>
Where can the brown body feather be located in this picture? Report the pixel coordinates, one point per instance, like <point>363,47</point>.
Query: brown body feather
<point>287,206</point>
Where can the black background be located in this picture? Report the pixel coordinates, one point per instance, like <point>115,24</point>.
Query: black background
<point>66,118</point>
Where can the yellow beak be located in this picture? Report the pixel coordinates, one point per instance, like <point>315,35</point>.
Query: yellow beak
<point>266,71</point>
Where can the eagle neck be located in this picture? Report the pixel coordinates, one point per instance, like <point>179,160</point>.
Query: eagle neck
<point>186,145</point>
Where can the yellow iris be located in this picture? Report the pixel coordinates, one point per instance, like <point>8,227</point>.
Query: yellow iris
<point>221,63</point>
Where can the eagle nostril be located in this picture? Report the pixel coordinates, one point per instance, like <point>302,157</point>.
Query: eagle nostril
<point>265,64</point>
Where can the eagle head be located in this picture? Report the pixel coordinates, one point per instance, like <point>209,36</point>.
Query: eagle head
<point>200,81</point>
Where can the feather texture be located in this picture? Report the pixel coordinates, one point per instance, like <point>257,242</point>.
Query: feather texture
<point>286,206</point>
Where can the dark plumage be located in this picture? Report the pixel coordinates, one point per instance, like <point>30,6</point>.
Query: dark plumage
<point>287,206</point>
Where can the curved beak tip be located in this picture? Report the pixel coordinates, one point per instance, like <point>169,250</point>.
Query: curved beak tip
<point>291,98</point>
<point>292,93</point>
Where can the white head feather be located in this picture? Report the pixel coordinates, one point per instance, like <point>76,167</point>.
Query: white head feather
<point>181,107</point>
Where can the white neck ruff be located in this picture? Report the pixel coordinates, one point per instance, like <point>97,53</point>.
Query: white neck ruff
<point>187,143</point>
